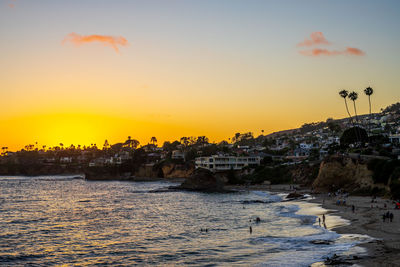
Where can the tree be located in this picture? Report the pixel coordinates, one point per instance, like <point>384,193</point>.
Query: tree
<point>131,143</point>
<point>202,140</point>
<point>344,94</point>
<point>106,145</point>
<point>369,91</point>
<point>353,135</point>
<point>353,96</point>
<point>334,127</point>
<point>153,140</point>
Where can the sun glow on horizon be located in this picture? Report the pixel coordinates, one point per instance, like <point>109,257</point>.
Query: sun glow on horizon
<point>188,68</point>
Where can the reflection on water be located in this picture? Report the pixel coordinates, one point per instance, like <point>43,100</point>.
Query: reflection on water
<point>68,221</point>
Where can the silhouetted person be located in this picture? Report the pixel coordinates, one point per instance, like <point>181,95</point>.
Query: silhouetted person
<point>384,217</point>
<point>353,208</point>
<point>323,218</point>
<point>251,230</point>
<point>319,221</point>
<point>258,220</point>
<point>391,217</point>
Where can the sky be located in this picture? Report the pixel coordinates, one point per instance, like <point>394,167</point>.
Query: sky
<point>80,72</point>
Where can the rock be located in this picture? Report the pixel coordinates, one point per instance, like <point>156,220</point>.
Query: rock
<point>294,195</point>
<point>203,180</point>
<point>321,242</point>
<point>341,172</point>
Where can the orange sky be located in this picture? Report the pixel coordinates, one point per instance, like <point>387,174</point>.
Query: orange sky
<point>187,68</point>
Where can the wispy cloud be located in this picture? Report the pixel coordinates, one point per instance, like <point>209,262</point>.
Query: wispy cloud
<point>106,40</point>
<point>316,52</point>
<point>316,38</point>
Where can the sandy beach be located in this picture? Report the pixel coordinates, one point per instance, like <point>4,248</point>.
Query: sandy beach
<point>383,250</point>
<point>367,220</point>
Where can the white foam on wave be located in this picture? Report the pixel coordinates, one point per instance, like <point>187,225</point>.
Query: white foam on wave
<point>299,250</point>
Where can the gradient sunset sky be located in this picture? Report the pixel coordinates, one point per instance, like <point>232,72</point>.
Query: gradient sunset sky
<point>80,72</point>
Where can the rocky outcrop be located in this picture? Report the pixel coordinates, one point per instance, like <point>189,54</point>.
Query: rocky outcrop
<point>203,180</point>
<point>345,173</point>
<point>172,170</point>
<point>146,171</point>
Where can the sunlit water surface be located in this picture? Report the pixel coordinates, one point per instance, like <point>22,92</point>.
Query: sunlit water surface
<point>60,220</point>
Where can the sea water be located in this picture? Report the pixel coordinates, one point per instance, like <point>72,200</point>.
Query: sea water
<point>60,220</point>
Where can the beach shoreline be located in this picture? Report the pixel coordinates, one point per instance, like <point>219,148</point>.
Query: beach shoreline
<point>384,247</point>
<point>384,250</point>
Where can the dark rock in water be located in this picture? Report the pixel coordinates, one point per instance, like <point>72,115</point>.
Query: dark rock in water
<point>321,242</point>
<point>203,180</point>
<point>338,260</point>
<point>294,195</point>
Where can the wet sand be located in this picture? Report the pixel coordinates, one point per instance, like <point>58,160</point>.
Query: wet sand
<point>385,249</point>
<point>382,251</point>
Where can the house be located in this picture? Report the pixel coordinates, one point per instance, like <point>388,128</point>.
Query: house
<point>394,138</point>
<point>224,163</point>
<point>66,160</point>
<point>177,154</point>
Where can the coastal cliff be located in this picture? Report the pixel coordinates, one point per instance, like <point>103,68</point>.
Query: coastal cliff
<point>346,173</point>
<point>172,170</point>
<point>203,180</point>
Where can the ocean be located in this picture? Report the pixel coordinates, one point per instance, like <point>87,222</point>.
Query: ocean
<point>55,220</point>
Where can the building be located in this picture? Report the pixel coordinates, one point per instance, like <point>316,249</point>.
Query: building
<point>224,163</point>
<point>394,138</point>
<point>177,154</point>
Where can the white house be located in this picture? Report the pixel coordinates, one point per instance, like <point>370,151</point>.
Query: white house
<point>224,163</point>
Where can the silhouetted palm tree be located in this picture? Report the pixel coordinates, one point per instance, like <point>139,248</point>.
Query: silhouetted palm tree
<point>344,94</point>
<point>353,96</point>
<point>369,91</point>
<point>153,140</point>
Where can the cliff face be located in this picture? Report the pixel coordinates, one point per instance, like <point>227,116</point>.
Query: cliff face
<point>146,171</point>
<point>203,180</point>
<point>172,170</point>
<point>345,173</point>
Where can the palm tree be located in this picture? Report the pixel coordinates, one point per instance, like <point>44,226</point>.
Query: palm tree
<point>369,91</point>
<point>353,96</point>
<point>153,140</point>
<point>344,94</point>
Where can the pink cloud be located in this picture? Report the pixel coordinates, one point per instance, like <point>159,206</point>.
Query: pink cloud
<point>354,51</point>
<point>106,40</point>
<point>316,38</point>
<point>11,5</point>
<point>316,52</point>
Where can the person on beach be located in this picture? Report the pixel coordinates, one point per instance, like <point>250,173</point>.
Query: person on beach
<point>391,217</point>
<point>353,208</point>
<point>319,221</point>
<point>323,218</point>
<point>250,229</point>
